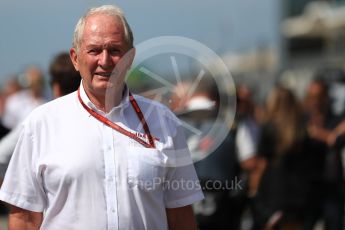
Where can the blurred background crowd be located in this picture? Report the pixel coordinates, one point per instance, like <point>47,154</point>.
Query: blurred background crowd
<point>281,164</point>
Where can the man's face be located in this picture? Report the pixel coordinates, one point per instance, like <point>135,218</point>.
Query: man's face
<point>316,98</point>
<point>102,46</point>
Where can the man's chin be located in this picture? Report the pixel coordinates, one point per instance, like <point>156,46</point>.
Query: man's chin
<point>113,85</point>
<point>100,78</point>
<point>106,85</point>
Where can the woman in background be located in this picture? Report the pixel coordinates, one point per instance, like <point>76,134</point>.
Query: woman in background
<point>287,172</point>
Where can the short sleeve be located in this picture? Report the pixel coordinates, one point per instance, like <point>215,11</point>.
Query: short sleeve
<point>182,186</point>
<point>246,146</point>
<point>22,185</point>
<point>7,145</point>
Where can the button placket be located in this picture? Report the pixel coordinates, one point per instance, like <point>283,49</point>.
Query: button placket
<point>110,175</point>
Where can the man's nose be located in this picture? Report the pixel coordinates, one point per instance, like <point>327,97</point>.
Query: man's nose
<point>105,60</point>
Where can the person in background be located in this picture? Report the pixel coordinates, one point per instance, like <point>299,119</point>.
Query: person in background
<point>218,169</point>
<point>20,104</point>
<point>247,134</point>
<point>322,127</point>
<point>11,87</point>
<point>180,96</point>
<point>123,155</point>
<point>286,188</point>
<point>64,80</point>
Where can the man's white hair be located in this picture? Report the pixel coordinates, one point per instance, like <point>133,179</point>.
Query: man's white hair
<point>110,10</point>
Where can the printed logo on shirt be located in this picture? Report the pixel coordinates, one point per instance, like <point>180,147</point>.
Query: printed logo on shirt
<point>142,136</point>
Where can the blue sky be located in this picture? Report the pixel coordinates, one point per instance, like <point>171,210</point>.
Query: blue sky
<point>32,32</point>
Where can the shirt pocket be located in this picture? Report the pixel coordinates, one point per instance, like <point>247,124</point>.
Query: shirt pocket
<point>146,168</point>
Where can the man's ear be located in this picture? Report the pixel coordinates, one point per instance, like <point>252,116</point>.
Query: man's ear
<point>74,57</point>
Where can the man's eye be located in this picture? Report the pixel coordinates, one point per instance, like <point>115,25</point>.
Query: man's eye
<point>114,51</point>
<point>93,51</point>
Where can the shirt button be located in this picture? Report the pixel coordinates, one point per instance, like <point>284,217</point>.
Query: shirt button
<point>112,210</point>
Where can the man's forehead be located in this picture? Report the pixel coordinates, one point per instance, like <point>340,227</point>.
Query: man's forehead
<point>114,20</point>
<point>103,29</point>
<point>98,25</point>
<point>103,24</point>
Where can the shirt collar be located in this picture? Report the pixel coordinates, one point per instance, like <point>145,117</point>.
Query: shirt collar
<point>123,104</point>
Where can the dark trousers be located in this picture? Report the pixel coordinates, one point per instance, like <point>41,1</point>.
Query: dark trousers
<point>330,210</point>
<point>219,211</point>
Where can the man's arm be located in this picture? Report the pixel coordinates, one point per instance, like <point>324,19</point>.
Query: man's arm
<point>21,219</point>
<point>181,218</point>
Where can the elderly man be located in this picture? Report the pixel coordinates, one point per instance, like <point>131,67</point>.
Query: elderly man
<point>93,161</point>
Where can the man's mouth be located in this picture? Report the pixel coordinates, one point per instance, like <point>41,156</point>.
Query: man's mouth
<point>103,74</point>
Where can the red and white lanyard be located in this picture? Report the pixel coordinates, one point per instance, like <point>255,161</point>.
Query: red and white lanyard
<point>118,128</point>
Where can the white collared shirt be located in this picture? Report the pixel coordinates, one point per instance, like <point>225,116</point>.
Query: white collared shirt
<point>84,175</point>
